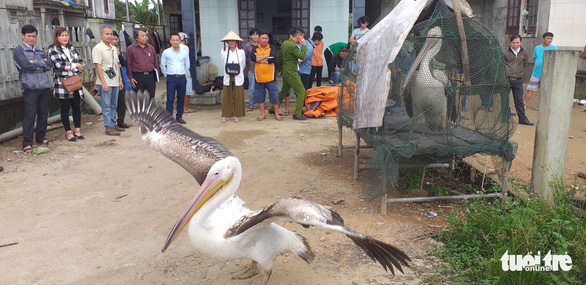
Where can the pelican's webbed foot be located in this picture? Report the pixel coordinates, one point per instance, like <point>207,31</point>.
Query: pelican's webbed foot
<point>247,272</point>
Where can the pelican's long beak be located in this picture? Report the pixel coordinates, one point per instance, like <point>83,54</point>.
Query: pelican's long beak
<point>427,45</point>
<point>207,189</point>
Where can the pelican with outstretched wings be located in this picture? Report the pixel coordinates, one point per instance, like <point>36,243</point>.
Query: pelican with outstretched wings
<point>218,223</point>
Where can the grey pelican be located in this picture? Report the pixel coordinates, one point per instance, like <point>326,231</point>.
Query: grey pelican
<point>428,90</point>
<point>219,224</point>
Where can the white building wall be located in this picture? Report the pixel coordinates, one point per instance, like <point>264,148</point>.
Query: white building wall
<point>332,16</point>
<point>567,22</point>
<point>218,17</point>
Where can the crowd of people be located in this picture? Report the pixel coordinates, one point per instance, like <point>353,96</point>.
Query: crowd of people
<point>115,75</point>
<point>299,61</point>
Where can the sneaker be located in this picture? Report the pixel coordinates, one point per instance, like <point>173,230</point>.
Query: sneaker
<point>112,132</point>
<point>119,129</point>
<point>299,117</point>
<point>181,121</point>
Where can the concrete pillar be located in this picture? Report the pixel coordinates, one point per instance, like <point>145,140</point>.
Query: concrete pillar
<point>95,25</point>
<point>553,122</point>
<point>188,10</point>
<point>129,28</point>
<point>62,19</point>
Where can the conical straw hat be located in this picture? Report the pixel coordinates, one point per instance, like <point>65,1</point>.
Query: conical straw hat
<point>231,36</point>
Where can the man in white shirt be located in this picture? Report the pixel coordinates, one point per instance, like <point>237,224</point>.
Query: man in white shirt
<point>359,32</point>
<point>109,81</point>
<point>174,65</point>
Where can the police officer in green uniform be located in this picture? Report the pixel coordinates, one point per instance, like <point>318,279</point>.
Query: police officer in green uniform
<point>287,63</point>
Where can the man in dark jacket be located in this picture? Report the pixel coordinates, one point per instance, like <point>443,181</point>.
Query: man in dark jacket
<point>515,62</point>
<point>32,64</point>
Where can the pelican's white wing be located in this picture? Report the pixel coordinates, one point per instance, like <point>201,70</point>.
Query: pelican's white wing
<point>308,213</point>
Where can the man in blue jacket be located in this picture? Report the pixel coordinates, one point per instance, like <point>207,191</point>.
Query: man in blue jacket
<point>32,64</point>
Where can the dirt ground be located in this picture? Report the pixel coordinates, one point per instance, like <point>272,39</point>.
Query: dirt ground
<point>98,211</point>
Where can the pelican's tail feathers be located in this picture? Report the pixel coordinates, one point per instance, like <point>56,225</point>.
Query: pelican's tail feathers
<point>304,251</point>
<point>386,254</point>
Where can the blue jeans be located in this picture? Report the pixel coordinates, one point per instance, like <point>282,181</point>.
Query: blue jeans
<point>176,84</point>
<point>251,83</point>
<point>109,104</point>
<point>336,77</point>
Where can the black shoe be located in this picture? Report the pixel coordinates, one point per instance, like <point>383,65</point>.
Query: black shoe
<point>2,169</point>
<point>272,112</point>
<point>123,125</point>
<point>526,123</point>
<point>181,121</point>
<point>298,117</point>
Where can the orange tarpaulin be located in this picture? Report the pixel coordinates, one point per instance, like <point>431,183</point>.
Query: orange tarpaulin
<point>348,95</point>
<point>322,101</point>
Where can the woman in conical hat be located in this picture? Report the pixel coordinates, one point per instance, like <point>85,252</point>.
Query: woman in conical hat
<point>233,63</point>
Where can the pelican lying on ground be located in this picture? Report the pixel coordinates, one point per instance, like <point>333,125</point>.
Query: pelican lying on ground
<point>219,224</point>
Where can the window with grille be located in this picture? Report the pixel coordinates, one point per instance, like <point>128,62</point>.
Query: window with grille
<point>175,25</point>
<point>513,17</point>
<point>531,24</point>
<point>521,16</point>
<point>246,17</point>
<point>300,15</point>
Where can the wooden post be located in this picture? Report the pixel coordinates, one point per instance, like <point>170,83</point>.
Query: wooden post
<point>463,45</point>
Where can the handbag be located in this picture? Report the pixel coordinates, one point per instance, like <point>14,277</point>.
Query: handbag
<point>232,68</point>
<point>73,83</point>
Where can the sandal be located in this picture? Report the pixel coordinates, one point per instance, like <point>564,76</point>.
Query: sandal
<point>260,118</point>
<point>250,109</point>
<point>47,142</point>
<point>27,149</point>
<point>78,135</point>
<point>188,110</point>
<point>223,120</point>
<point>72,138</point>
<point>236,120</point>
<point>286,113</point>
<point>278,118</point>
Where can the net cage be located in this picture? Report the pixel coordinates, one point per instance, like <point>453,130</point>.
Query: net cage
<point>431,116</point>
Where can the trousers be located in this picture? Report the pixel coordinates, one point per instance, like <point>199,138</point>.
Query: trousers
<point>517,88</point>
<point>36,106</point>
<point>176,84</point>
<point>146,82</point>
<point>74,103</point>
<point>295,83</point>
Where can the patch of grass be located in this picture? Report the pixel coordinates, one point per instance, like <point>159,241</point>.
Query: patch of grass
<point>437,190</point>
<point>410,180</point>
<point>479,237</point>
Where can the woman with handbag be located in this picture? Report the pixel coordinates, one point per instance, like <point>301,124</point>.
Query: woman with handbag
<point>233,61</point>
<point>68,64</point>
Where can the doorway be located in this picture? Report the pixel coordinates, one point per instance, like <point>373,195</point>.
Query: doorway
<point>275,17</point>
